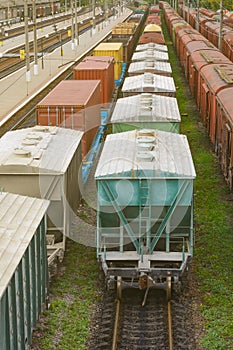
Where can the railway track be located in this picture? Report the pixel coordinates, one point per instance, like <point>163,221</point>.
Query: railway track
<point>13,62</point>
<point>126,321</point>
<point>12,32</point>
<point>26,116</point>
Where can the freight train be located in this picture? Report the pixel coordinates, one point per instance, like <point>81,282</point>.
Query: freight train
<point>144,176</point>
<point>209,73</point>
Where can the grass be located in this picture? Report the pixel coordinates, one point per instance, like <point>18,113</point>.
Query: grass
<point>74,294</point>
<point>213,223</point>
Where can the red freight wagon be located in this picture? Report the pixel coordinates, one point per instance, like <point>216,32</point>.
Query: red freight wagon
<point>73,104</point>
<point>98,68</point>
<point>199,59</point>
<point>180,32</point>
<point>153,37</point>
<point>211,29</point>
<point>196,46</point>
<point>184,40</point>
<point>213,79</point>
<point>227,45</point>
<point>224,133</point>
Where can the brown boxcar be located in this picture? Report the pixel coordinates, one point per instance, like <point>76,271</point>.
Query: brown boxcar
<point>193,46</point>
<point>184,40</point>
<point>73,104</point>
<point>199,59</point>
<point>227,45</point>
<point>98,68</point>
<point>213,79</point>
<point>180,33</point>
<point>224,133</point>
<point>211,32</point>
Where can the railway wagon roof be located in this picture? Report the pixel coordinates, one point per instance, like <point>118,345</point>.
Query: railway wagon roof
<point>200,45</point>
<point>150,53</point>
<point>218,76</point>
<point>170,157</point>
<point>158,47</point>
<point>140,67</point>
<point>155,82</point>
<point>20,217</point>
<point>71,93</point>
<point>225,98</point>
<point>146,107</point>
<point>204,57</point>
<point>39,149</point>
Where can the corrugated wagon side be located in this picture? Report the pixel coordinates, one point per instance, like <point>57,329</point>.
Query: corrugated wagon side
<point>24,270</point>
<point>145,207</point>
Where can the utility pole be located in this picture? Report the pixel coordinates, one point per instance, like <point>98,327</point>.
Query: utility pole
<point>35,38</point>
<point>221,26</point>
<point>75,24</point>
<point>72,24</point>
<point>197,17</point>
<point>28,75</point>
<point>93,9</point>
<point>188,12</point>
<point>106,10</point>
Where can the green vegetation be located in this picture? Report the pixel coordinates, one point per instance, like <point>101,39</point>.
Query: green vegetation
<point>213,224</point>
<point>73,293</point>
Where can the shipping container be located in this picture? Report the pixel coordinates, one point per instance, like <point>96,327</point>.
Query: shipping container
<point>145,205</point>
<point>99,68</point>
<point>44,162</point>
<point>73,104</point>
<point>146,111</point>
<point>149,82</point>
<point>24,268</point>
<point>111,49</point>
<point>150,65</point>
<point>128,43</point>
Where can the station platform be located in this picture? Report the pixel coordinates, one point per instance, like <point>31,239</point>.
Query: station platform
<point>16,91</point>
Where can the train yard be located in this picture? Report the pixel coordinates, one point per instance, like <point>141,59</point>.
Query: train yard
<point>143,241</point>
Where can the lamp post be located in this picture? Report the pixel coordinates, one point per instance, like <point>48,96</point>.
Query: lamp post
<point>75,24</point>
<point>28,76</point>
<point>220,26</point>
<point>35,38</point>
